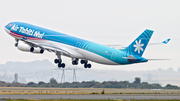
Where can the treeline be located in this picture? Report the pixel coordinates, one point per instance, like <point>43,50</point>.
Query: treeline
<point>92,84</point>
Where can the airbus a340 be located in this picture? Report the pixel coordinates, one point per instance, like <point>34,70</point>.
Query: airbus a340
<point>30,38</point>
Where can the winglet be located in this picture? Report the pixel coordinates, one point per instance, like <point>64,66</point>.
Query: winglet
<point>166,41</point>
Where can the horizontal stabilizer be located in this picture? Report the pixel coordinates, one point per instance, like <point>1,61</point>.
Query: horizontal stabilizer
<point>161,43</point>
<point>157,59</point>
<point>166,41</point>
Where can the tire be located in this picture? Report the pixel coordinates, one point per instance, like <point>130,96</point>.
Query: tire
<point>85,65</point>
<point>89,65</point>
<point>16,44</point>
<point>56,61</point>
<point>59,65</point>
<point>76,62</point>
<point>82,61</point>
<point>73,62</point>
<point>63,65</point>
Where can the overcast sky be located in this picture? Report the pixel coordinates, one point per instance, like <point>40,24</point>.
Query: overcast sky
<point>101,21</point>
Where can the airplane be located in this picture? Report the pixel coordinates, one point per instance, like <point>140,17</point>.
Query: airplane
<point>34,39</point>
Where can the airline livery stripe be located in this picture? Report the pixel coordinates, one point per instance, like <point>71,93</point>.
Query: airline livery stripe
<point>21,36</point>
<point>31,38</point>
<point>17,35</point>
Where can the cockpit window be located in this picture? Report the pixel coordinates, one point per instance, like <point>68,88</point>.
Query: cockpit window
<point>9,24</point>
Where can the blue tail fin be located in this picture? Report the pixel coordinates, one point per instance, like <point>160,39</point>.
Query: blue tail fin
<point>138,46</point>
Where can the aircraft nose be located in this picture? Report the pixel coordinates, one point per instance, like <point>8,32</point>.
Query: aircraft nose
<point>8,26</point>
<point>7,30</point>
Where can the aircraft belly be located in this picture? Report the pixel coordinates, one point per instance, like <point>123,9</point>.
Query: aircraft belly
<point>84,54</point>
<point>96,58</point>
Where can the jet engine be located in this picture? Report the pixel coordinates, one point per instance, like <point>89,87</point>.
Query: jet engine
<point>38,50</point>
<point>27,48</point>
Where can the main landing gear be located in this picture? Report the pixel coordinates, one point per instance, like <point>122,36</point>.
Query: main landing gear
<point>59,61</point>
<point>74,62</point>
<point>85,62</point>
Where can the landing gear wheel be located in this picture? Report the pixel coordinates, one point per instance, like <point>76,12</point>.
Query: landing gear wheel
<point>82,61</point>
<point>73,62</point>
<point>16,44</point>
<point>63,65</point>
<point>59,65</point>
<point>89,65</point>
<point>76,62</point>
<point>57,61</point>
<point>85,65</point>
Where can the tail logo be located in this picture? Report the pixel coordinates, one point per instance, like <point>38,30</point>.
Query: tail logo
<point>138,46</point>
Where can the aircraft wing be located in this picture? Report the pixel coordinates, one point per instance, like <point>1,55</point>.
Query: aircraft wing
<point>47,46</point>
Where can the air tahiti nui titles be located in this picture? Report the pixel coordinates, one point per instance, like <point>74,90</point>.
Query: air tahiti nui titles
<point>28,31</point>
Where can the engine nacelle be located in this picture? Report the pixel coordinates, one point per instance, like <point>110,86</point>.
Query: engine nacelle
<point>27,48</point>
<point>38,50</point>
<point>24,47</point>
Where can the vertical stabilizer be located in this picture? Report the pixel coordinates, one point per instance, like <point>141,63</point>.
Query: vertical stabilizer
<point>138,46</point>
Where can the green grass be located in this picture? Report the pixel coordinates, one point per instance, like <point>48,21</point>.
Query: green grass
<point>92,100</point>
<point>66,100</point>
<point>152,100</point>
